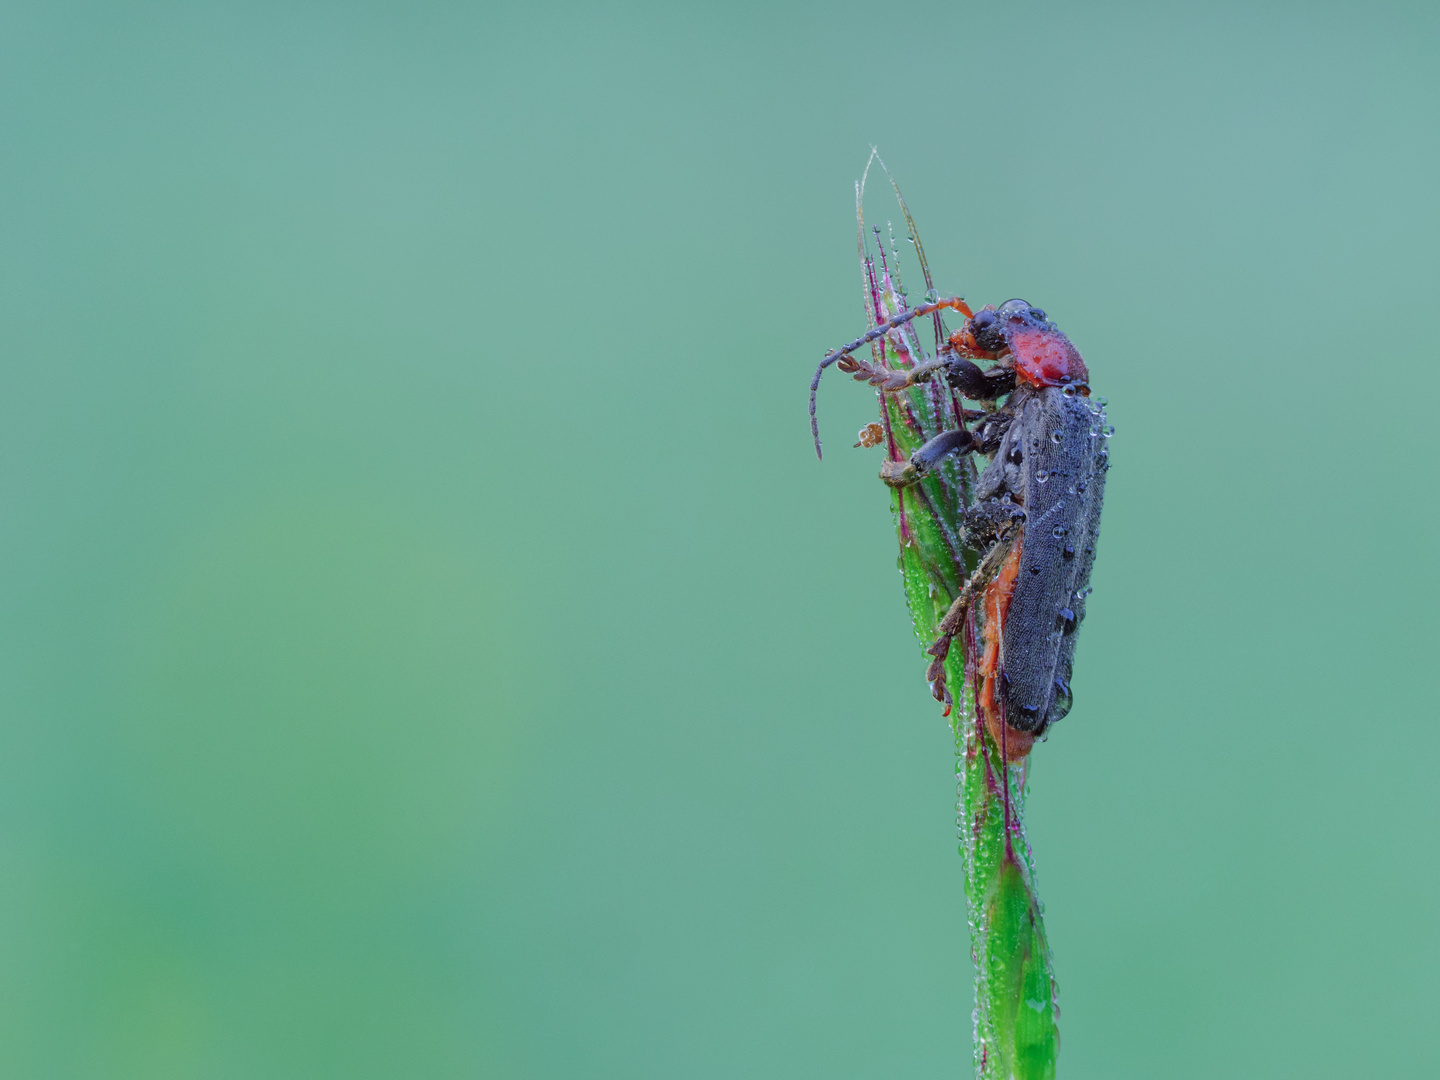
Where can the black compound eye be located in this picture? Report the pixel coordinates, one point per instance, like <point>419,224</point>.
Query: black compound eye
<point>986,327</point>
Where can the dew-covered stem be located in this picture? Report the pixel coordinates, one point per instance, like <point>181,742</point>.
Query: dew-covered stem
<point>1015,1033</point>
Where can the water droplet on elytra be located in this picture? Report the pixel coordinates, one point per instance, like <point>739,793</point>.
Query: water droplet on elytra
<point>1063,700</point>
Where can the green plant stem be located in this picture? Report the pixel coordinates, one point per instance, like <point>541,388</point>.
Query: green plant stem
<point>1015,1012</point>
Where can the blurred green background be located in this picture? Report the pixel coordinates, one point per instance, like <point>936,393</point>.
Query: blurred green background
<point>431,648</point>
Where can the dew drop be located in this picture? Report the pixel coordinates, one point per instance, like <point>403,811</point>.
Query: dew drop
<point>1057,437</point>
<point>1058,531</point>
<point>1068,551</point>
<point>1042,475</point>
<point>1063,700</point>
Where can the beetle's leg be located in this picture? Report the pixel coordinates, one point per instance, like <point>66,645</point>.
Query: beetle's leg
<point>955,303</point>
<point>970,380</point>
<point>965,377</point>
<point>904,473</point>
<point>986,522</point>
<point>953,441</point>
<point>887,379</point>
<point>990,431</point>
<point>954,619</point>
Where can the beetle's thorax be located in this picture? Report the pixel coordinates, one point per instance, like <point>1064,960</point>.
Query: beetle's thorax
<point>1039,352</point>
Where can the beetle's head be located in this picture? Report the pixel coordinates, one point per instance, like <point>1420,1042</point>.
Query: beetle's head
<point>987,332</point>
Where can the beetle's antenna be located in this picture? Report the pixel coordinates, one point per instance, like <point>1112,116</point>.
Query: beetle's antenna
<point>830,358</point>
<point>956,303</point>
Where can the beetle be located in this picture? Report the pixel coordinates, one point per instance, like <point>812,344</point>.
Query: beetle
<point>1036,513</point>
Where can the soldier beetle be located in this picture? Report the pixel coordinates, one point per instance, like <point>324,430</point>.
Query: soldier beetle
<point>1036,511</point>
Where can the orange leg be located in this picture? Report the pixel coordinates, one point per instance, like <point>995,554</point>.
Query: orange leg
<point>982,578</point>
